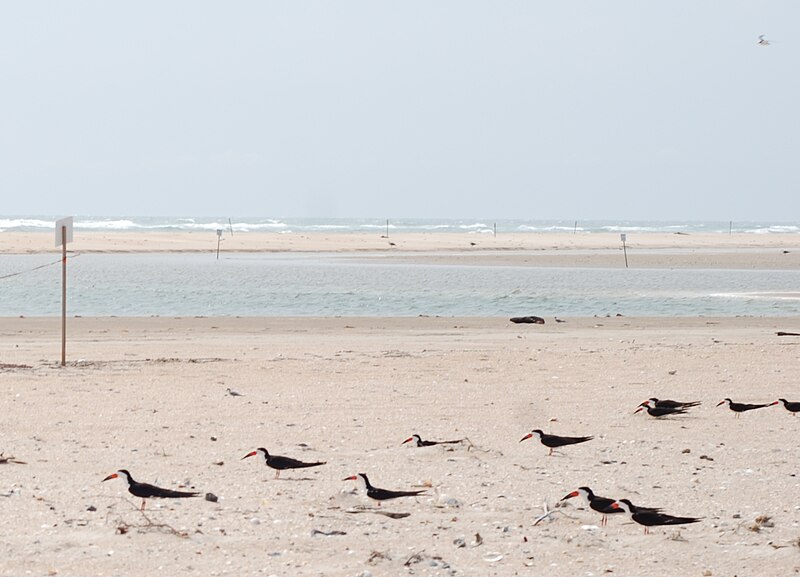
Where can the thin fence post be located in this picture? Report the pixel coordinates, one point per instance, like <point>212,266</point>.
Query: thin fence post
<point>63,296</point>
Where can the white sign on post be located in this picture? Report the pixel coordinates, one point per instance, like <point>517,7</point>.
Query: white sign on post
<point>622,236</point>
<point>61,223</point>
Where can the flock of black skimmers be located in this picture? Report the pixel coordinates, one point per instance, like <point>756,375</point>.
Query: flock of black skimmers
<point>645,516</point>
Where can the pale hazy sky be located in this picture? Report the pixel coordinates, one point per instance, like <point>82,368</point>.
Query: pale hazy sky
<point>531,109</point>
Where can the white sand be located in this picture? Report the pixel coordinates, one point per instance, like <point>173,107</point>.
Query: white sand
<point>149,395</point>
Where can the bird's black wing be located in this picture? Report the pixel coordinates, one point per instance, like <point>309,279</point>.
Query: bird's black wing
<point>145,490</point>
<point>278,462</point>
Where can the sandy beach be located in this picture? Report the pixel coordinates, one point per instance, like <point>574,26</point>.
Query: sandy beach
<point>651,250</point>
<point>150,395</point>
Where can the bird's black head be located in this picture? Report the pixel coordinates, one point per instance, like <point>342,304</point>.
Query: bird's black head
<point>120,473</point>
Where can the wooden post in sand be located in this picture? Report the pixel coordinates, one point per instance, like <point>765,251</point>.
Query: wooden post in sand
<point>63,236</point>
<point>230,226</point>
<point>730,228</point>
<point>219,238</point>
<point>575,228</point>
<point>387,228</point>
<point>622,237</point>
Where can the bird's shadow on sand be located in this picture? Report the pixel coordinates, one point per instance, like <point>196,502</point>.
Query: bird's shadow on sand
<point>295,479</point>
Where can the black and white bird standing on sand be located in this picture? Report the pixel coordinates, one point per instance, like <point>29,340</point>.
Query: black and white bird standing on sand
<point>651,518</point>
<point>381,494</point>
<point>670,404</point>
<point>147,491</point>
<point>602,505</point>
<point>554,441</point>
<point>280,463</point>
<point>419,442</point>
<point>791,406</point>
<point>656,411</point>
<point>740,408</point>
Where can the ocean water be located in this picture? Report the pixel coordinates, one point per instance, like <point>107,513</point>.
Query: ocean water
<point>344,285</point>
<point>485,226</point>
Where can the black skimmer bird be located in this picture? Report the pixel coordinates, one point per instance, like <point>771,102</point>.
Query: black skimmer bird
<point>553,441</point>
<point>602,505</point>
<point>650,518</point>
<point>656,411</point>
<point>381,494</point>
<point>280,463</point>
<point>763,41</point>
<point>669,404</point>
<point>739,408</point>
<point>792,407</point>
<point>147,491</point>
<point>418,442</point>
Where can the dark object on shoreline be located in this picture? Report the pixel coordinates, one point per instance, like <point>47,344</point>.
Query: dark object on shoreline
<point>785,334</point>
<point>528,320</point>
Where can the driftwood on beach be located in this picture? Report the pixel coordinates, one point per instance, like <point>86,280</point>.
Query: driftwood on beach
<point>785,334</point>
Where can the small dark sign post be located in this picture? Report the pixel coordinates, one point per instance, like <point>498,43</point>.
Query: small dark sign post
<point>63,236</point>
<point>622,237</point>
<point>219,238</point>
